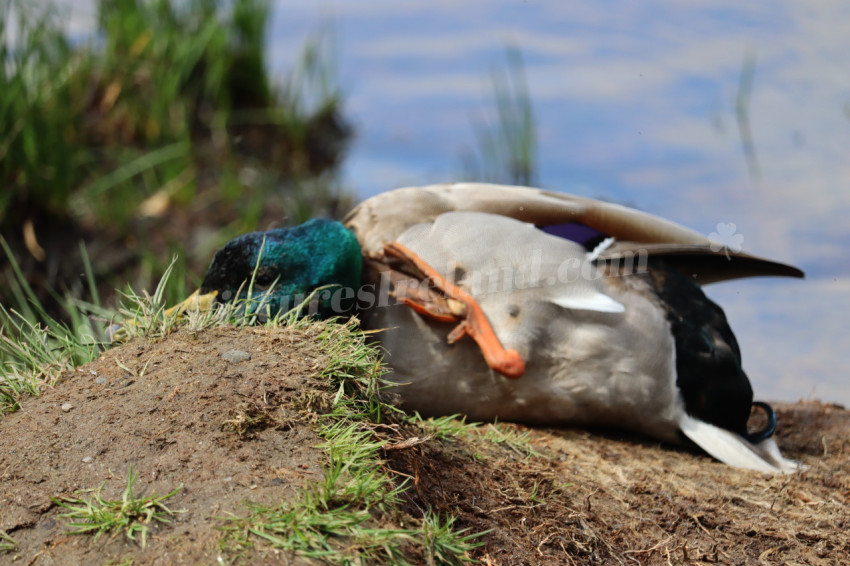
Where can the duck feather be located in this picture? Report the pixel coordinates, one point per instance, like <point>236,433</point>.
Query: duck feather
<point>383,217</point>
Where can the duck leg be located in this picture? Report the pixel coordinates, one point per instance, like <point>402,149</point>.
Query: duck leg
<point>457,306</point>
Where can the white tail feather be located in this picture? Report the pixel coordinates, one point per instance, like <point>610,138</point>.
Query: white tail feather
<point>735,450</point>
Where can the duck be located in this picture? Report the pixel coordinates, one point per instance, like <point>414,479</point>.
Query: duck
<point>525,305</point>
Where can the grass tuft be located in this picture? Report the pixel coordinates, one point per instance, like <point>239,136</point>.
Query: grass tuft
<point>130,514</point>
<point>444,428</point>
<point>507,149</point>
<point>7,543</point>
<point>453,427</point>
<point>444,544</point>
<point>519,442</point>
<point>35,348</point>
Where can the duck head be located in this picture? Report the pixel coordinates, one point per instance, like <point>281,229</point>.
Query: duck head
<point>278,269</point>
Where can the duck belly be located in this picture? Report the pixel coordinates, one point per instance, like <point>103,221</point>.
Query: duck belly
<point>582,368</point>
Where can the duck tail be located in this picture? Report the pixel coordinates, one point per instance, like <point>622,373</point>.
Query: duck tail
<point>735,450</point>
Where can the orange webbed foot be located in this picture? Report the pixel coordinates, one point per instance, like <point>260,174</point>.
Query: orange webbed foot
<point>460,307</point>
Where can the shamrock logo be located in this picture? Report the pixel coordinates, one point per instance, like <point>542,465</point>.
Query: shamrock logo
<point>726,239</point>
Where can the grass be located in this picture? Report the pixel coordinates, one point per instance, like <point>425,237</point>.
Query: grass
<point>166,120</point>
<point>131,515</point>
<point>35,348</point>
<point>507,146</point>
<point>453,427</point>
<point>445,428</point>
<point>35,154</point>
<point>742,114</point>
<point>99,127</point>
<point>443,543</point>
<point>519,442</point>
<point>7,543</point>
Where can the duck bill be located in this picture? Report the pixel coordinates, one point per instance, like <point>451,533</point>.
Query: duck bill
<point>194,302</point>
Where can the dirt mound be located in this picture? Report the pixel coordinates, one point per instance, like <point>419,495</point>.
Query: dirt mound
<point>222,413</point>
<point>175,411</point>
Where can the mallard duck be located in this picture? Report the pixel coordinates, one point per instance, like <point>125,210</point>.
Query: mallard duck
<point>518,304</point>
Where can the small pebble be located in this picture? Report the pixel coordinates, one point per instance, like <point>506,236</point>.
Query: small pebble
<point>87,459</point>
<point>236,356</point>
<point>100,380</point>
<point>66,407</point>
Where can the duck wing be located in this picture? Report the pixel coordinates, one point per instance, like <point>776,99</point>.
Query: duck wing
<point>384,217</point>
<point>705,263</point>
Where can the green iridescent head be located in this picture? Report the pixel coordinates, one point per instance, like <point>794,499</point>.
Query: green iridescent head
<point>286,265</point>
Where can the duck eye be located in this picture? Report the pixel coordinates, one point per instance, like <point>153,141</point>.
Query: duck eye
<point>263,279</point>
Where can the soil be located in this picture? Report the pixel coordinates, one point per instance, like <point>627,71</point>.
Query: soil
<point>232,432</point>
